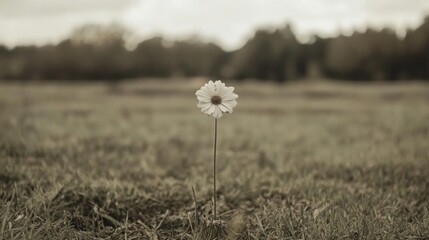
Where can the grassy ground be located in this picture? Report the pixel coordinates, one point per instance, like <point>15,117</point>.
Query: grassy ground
<point>300,161</point>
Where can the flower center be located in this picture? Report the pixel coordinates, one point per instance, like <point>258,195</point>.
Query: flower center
<point>216,100</point>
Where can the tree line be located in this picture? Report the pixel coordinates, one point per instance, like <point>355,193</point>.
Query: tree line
<point>100,52</point>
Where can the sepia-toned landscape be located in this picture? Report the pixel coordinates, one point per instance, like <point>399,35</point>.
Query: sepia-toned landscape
<point>133,160</point>
<point>214,120</point>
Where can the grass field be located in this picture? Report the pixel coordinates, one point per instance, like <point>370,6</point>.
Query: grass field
<point>297,161</point>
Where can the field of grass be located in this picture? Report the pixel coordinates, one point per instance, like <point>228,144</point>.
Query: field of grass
<point>297,161</point>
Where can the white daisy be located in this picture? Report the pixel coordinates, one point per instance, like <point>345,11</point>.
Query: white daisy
<point>214,98</point>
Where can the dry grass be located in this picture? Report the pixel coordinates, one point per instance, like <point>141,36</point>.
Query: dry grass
<point>300,161</point>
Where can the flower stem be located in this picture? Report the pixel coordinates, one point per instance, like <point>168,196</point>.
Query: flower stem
<point>214,169</point>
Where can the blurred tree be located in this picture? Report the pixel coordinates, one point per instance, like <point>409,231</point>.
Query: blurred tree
<point>315,54</point>
<point>4,60</point>
<point>99,35</point>
<point>102,51</point>
<point>369,55</point>
<point>194,57</point>
<point>416,52</point>
<point>268,55</point>
<point>99,52</point>
<point>152,58</point>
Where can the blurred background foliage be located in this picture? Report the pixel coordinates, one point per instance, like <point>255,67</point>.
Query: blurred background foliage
<point>102,52</point>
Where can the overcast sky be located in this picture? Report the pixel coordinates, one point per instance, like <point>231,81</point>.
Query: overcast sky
<point>227,22</point>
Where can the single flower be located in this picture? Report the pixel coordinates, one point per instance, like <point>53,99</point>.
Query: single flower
<point>214,98</point>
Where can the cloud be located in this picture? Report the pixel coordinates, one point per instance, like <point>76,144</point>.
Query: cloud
<point>396,6</point>
<point>231,22</point>
<point>35,8</point>
<point>49,21</point>
<point>228,22</point>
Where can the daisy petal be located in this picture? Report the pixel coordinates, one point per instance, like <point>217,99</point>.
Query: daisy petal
<point>225,108</point>
<point>217,113</point>
<point>211,88</point>
<point>203,99</point>
<point>222,108</point>
<point>219,88</point>
<point>230,96</point>
<point>230,104</point>
<point>210,110</point>
<point>227,91</point>
<point>204,106</point>
<point>204,92</point>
